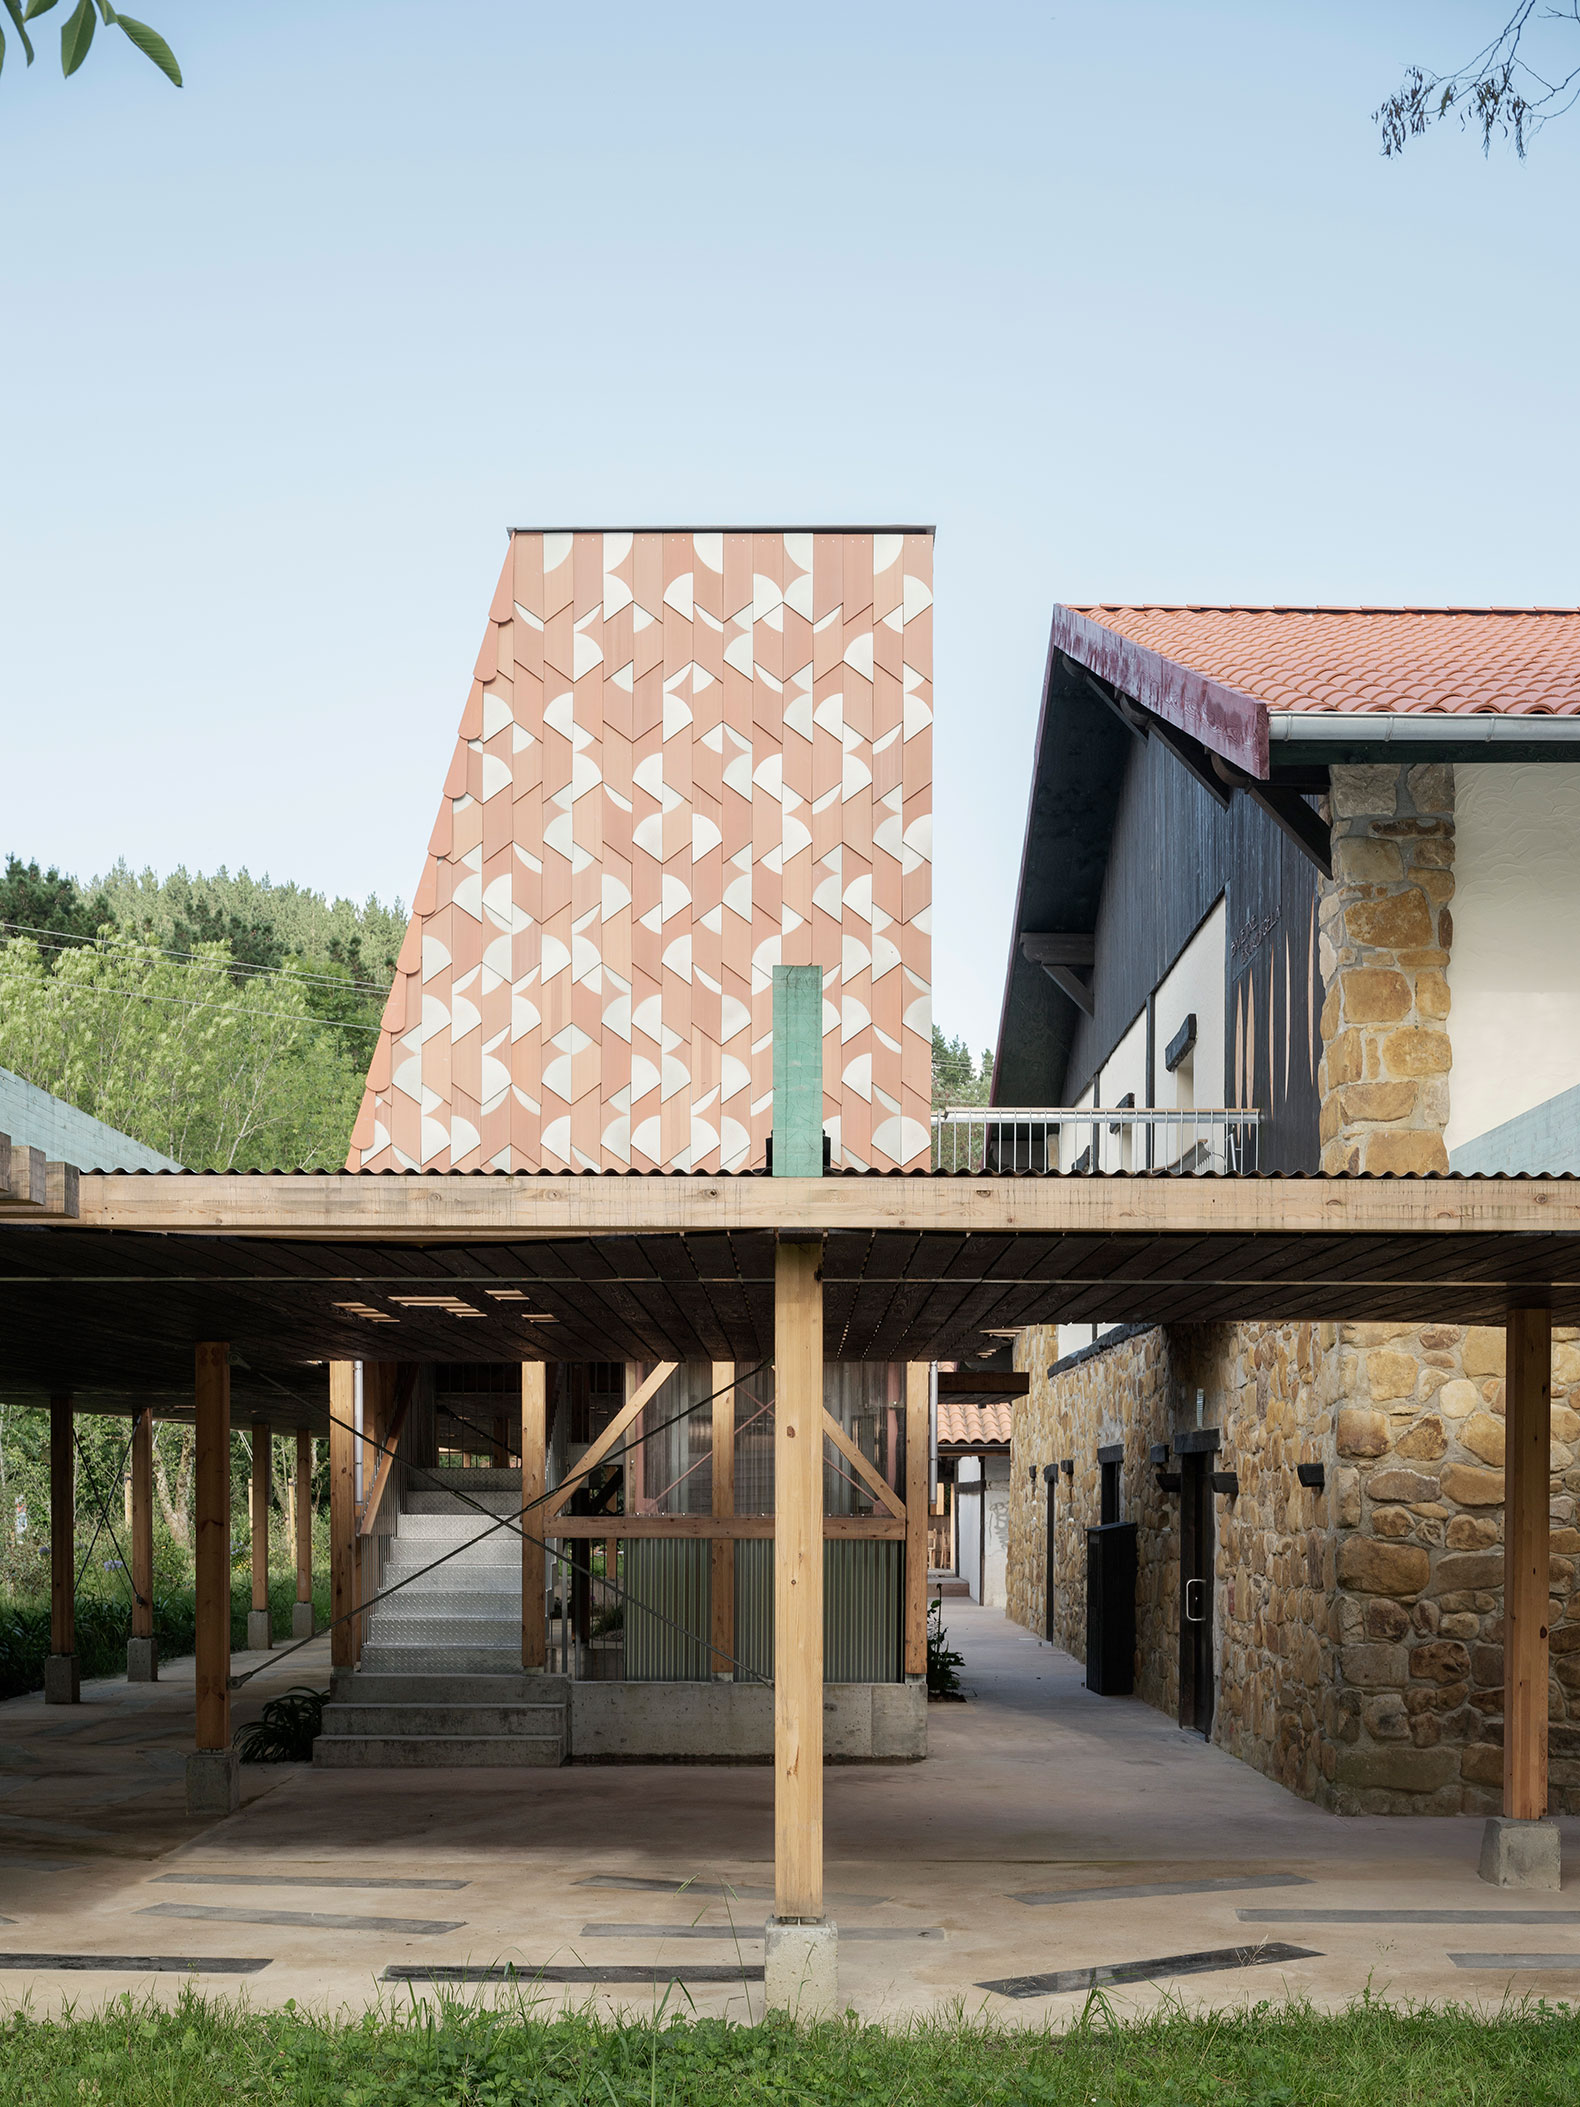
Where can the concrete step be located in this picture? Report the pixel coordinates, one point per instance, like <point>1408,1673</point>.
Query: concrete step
<point>469,1720</point>
<point>438,1752</point>
<point>419,1659</point>
<point>517,1688</point>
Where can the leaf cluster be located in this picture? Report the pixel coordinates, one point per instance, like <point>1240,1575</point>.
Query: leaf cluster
<point>957,1078</point>
<point>76,34</point>
<point>1499,92</point>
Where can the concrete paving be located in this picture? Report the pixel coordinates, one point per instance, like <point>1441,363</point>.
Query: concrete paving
<point>1050,1833</point>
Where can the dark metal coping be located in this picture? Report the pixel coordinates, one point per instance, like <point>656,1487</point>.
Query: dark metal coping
<point>672,528</point>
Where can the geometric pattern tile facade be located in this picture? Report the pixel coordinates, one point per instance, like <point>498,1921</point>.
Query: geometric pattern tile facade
<point>686,758</point>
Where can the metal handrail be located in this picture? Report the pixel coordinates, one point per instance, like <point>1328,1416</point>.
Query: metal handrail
<point>1076,1139</point>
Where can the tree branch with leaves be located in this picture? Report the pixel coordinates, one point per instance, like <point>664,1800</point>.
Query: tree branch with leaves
<point>1500,91</point>
<point>76,34</point>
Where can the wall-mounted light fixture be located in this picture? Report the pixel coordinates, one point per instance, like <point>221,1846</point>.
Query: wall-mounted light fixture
<point>1314,1475</point>
<point>1226,1482</point>
<point>1067,1465</point>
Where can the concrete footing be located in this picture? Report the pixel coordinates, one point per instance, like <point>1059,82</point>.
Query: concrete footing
<point>142,1661</point>
<point>260,1631</point>
<point>302,1620</point>
<point>62,1679</point>
<point>1520,1854</point>
<point>213,1782</point>
<point>801,1968</point>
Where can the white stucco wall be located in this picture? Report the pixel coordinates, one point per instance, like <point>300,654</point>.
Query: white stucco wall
<point>1124,1074</point>
<point>1514,965</point>
<point>1195,982</point>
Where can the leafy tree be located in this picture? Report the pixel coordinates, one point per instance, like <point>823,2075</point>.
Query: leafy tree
<point>76,34</point>
<point>49,906</point>
<point>957,1080</point>
<point>1500,90</point>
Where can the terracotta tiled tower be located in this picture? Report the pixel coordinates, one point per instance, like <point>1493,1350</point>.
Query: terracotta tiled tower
<point>687,757</point>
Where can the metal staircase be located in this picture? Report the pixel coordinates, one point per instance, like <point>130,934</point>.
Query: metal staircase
<point>440,1682</point>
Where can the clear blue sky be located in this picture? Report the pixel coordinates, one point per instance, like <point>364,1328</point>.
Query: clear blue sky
<point>1120,295</point>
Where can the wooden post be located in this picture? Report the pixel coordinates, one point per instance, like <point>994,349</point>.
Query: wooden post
<point>1525,1562</point>
<point>212,1477</point>
<point>534,1484</point>
<point>61,1680</point>
<point>798,1581</point>
<point>917,1375</point>
<point>302,1517</point>
<point>260,1625</point>
<point>342,1514</point>
<point>721,1555</point>
<point>142,1659</point>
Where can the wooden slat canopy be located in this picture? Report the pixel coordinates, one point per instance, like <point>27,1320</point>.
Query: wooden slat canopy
<point>295,1271</point>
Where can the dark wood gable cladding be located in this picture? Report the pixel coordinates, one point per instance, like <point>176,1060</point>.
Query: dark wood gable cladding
<point>1123,840</point>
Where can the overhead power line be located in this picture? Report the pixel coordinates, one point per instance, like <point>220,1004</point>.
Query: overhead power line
<point>69,942</point>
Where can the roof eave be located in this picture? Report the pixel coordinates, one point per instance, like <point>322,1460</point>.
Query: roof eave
<point>1221,718</point>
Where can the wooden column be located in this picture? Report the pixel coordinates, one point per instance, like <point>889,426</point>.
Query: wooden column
<point>62,1531</point>
<point>142,1530</point>
<point>534,1484</point>
<point>212,1478</point>
<point>917,1376</point>
<point>342,1514</point>
<point>798,1581</point>
<point>721,1554</point>
<point>1529,1391</point>
<point>259,1624</point>
<point>302,1515</point>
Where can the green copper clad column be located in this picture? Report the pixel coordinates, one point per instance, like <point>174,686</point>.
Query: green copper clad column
<point>798,1071</point>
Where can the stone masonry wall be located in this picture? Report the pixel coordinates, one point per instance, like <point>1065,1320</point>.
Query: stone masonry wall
<point>1386,928</point>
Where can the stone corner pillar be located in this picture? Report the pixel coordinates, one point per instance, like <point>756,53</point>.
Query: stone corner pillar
<point>1386,934</point>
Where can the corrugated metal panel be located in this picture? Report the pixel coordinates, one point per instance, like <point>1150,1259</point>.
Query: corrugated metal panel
<point>669,1577</point>
<point>863,1592</point>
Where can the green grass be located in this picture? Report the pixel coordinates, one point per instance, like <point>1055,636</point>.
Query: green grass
<point>1277,2055</point>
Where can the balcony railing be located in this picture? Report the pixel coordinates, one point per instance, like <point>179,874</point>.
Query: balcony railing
<point>1084,1138</point>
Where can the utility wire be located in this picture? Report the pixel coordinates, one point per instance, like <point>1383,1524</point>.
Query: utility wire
<point>186,1002</point>
<point>70,942</point>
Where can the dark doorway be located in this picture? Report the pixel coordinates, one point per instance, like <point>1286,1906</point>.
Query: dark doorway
<point>1196,1591</point>
<point>1050,1479</point>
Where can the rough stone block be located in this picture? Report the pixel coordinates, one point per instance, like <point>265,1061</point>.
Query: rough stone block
<point>301,1620</point>
<point>1471,1532</point>
<point>1409,1486</point>
<point>1397,922</point>
<point>1373,1666</point>
<point>62,1679</point>
<point>1360,1101</point>
<point>1458,1571</point>
<point>1458,1398</point>
<point>213,1783</point>
<point>1386,1619</point>
<point>1517,1854</point>
<point>1415,1051</point>
<point>1362,1432</point>
<point>801,1969</point>
<point>1365,792</point>
<point>1391,1374</point>
<point>1398,1769</point>
<point>1471,1487</point>
<point>1482,1352</point>
<point>1430,785</point>
<point>142,1661</point>
<point>1440,1661</point>
<point>1392,1152</point>
<point>1374,995</point>
<point>1432,996</point>
<point>1360,860</point>
<point>1424,1442</point>
<point>1382,1569</point>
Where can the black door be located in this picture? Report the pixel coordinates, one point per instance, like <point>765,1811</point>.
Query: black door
<point>1196,1560</point>
<point>1050,1476</point>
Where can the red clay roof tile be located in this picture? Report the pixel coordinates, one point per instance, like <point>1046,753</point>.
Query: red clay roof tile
<point>972,1426</point>
<point>1515,661</point>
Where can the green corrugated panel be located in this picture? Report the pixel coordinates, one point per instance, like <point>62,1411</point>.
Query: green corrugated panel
<point>669,1577</point>
<point>798,1071</point>
<point>862,1608</point>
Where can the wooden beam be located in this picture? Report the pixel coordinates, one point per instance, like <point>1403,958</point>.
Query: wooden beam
<point>342,1514</point>
<point>62,1527</point>
<point>534,1481</point>
<point>1526,1580</point>
<point>607,1440</point>
<point>738,1528</point>
<point>262,1474</point>
<point>798,1582</point>
<point>916,1414</point>
<point>211,1398</point>
<point>869,1477</point>
<point>405,1389</point>
<point>304,1516</point>
<point>142,1530</point>
<point>721,1555</point>
<point>398,1208</point>
<point>1046,947</point>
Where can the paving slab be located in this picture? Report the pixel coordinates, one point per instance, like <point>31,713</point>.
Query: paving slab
<point>1132,1852</point>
